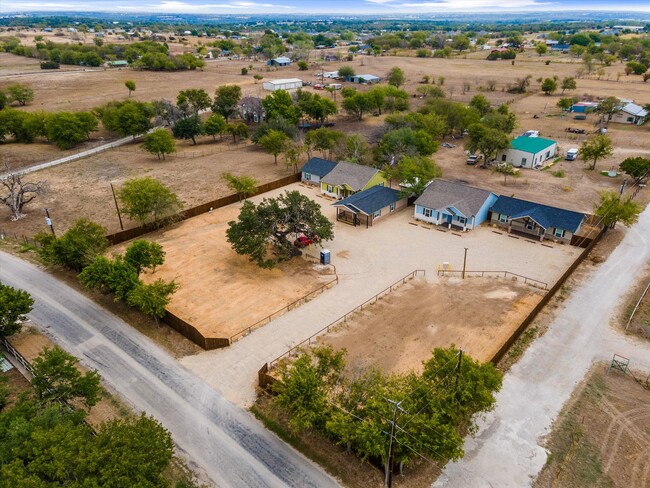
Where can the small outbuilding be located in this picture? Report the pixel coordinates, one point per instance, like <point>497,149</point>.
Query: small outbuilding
<point>281,61</point>
<point>365,79</point>
<point>583,107</point>
<point>284,84</point>
<point>630,113</point>
<point>368,206</point>
<point>315,169</point>
<point>528,152</point>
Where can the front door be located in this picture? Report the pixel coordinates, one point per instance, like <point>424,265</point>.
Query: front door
<point>449,219</point>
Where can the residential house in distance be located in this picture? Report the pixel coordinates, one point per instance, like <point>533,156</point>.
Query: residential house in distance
<point>251,110</point>
<point>630,113</point>
<point>281,61</point>
<point>117,64</point>
<point>528,152</point>
<point>454,205</point>
<point>535,220</point>
<point>315,169</point>
<point>349,178</point>
<point>365,79</point>
<point>368,206</point>
<point>283,84</point>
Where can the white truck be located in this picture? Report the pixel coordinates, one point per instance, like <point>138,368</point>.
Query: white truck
<point>571,154</point>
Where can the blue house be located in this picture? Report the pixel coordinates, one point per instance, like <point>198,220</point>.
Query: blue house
<point>454,205</point>
<point>536,220</point>
<point>314,170</point>
<point>368,206</point>
<point>281,61</point>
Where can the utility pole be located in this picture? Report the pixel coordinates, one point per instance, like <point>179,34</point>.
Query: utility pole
<point>464,263</point>
<point>119,216</point>
<point>623,186</point>
<point>48,221</point>
<point>389,468</point>
<point>460,359</point>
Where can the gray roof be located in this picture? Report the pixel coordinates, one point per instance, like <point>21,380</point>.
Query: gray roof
<point>442,194</point>
<point>356,176</point>
<point>634,109</point>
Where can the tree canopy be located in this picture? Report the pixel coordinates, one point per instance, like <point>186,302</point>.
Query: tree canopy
<point>226,100</point>
<point>77,247</point>
<point>265,232</point>
<point>15,304</point>
<point>159,142</point>
<point>487,140</point>
<point>596,147</point>
<point>415,174</point>
<point>127,118</point>
<point>148,200</point>
<point>637,167</point>
<point>612,209</point>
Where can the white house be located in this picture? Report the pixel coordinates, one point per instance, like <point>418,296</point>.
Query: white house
<point>630,113</point>
<point>283,84</point>
<point>528,152</point>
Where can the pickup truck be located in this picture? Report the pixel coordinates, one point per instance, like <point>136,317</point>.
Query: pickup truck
<point>472,159</point>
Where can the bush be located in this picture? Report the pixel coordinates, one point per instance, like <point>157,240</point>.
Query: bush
<point>50,65</point>
<point>75,249</point>
<point>244,71</point>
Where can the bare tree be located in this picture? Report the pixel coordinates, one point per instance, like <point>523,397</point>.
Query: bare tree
<point>18,194</point>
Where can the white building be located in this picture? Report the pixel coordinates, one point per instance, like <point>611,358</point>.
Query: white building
<point>630,113</point>
<point>283,84</point>
<point>528,152</point>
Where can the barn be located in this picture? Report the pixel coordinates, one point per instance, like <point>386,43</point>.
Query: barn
<point>283,84</point>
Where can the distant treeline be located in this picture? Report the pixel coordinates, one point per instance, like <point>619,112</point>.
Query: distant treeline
<point>140,55</point>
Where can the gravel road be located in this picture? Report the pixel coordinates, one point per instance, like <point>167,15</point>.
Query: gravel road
<point>227,444</point>
<point>506,451</point>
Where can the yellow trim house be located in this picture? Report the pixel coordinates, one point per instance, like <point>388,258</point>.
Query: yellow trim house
<point>349,178</point>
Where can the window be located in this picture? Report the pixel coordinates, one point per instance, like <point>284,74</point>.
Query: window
<point>548,154</point>
<point>381,184</point>
<point>330,189</point>
<point>630,119</point>
<point>308,176</point>
<point>392,207</point>
<point>462,220</point>
<point>428,212</point>
<point>502,218</point>
<point>376,214</point>
<point>503,157</point>
<point>530,225</point>
<point>559,232</point>
<point>523,161</point>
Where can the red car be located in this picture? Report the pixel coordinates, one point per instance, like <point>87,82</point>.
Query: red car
<point>304,241</point>
<point>318,86</point>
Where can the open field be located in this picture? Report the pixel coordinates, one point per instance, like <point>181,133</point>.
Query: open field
<point>602,438</point>
<point>400,331</point>
<point>220,292</point>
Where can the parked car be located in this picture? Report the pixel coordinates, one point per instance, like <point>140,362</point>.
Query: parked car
<point>571,154</point>
<point>472,159</point>
<point>318,86</point>
<point>304,241</point>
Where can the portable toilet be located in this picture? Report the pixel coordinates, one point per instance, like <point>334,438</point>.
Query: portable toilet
<point>325,256</point>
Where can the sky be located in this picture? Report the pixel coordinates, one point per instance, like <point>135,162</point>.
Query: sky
<point>375,7</point>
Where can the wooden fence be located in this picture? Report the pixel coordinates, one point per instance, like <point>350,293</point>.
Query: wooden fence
<point>527,280</point>
<point>128,234</point>
<point>545,299</point>
<point>193,334</point>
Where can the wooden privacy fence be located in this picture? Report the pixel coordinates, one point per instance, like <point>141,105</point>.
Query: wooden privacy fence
<point>545,299</point>
<point>284,309</point>
<point>128,234</point>
<point>345,317</point>
<point>528,281</point>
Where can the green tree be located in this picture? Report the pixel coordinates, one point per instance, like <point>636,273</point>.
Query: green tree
<point>415,174</point>
<point>77,248</point>
<point>188,128</point>
<point>15,304</point>
<point>265,232</point>
<point>130,85</point>
<point>506,170</point>
<point>159,142</point>
<point>4,100</point>
<point>486,140</point>
<point>316,107</point>
<point>274,142</point>
<point>637,168</point>
<point>67,129</point>
<point>57,378</point>
<point>142,254</point>
<point>612,209</point>
<point>541,48</point>
<point>226,100</point>
<point>114,275</point>
<point>152,299</point>
<point>280,104</point>
<point>216,124</point>
<point>608,107</point>
<point>549,85</point>
<point>195,99</point>
<point>396,77</point>
<point>460,43</point>
<point>377,98</point>
<point>596,147</point>
<point>303,66</point>
<point>353,148</point>
<point>346,72</point>
<point>147,200</point>
<point>238,130</point>
<point>244,186</point>
<point>20,93</point>
<point>481,104</point>
<point>568,83</point>
<point>566,103</point>
<point>406,142</point>
<point>357,105</point>
<point>324,140</point>
<point>127,118</point>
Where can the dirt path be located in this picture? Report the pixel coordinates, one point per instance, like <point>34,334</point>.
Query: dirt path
<point>506,452</point>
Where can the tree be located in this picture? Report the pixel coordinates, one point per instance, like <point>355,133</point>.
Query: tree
<point>280,104</point>
<point>415,174</point>
<point>612,209</point>
<point>195,99</point>
<point>480,103</point>
<point>67,129</point>
<point>608,108</point>
<point>159,142</point>
<point>460,43</point>
<point>637,168</point>
<point>114,275</point>
<point>142,254</point>
<point>244,186</point>
<point>216,124</point>
<point>22,94</point>
<point>238,130</point>
<point>56,378</point>
<point>406,142</point>
<point>357,105</point>
<point>274,142</point>
<point>271,226</point>
<point>258,78</point>
<point>486,140</point>
<point>568,83</point>
<point>77,247</point>
<point>17,194</point>
<point>15,304</point>
<point>130,85</point>
<point>323,139</point>
<point>377,98</point>
<point>127,118</point>
<point>541,48</point>
<point>226,100</point>
<point>596,147</point>
<point>188,128</point>
<point>395,77</point>
<point>4,100</point>
<point>506,170</point>
<point>303,66</point>
<point>346,72</point>
<point>353,148</point>
<point>148,200</point>
<point>549,85</point>
<point>315,106</point>
<point>152,299</point>
<point>566,103</point>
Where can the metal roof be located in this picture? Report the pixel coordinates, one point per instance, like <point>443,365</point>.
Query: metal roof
<point>443,194</point>
<point>634,109</point>
<point>544,215</point>
<point>531,144</point>
<point>284,81</point>
<point>370,200</point>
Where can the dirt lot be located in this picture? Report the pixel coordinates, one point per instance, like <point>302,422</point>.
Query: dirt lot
<point>640,323</point>
<point>602,437</point>
<point>220,292</point>
<point>438,315</point>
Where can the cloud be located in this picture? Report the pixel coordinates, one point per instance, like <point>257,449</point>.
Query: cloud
<point>447,5</point>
